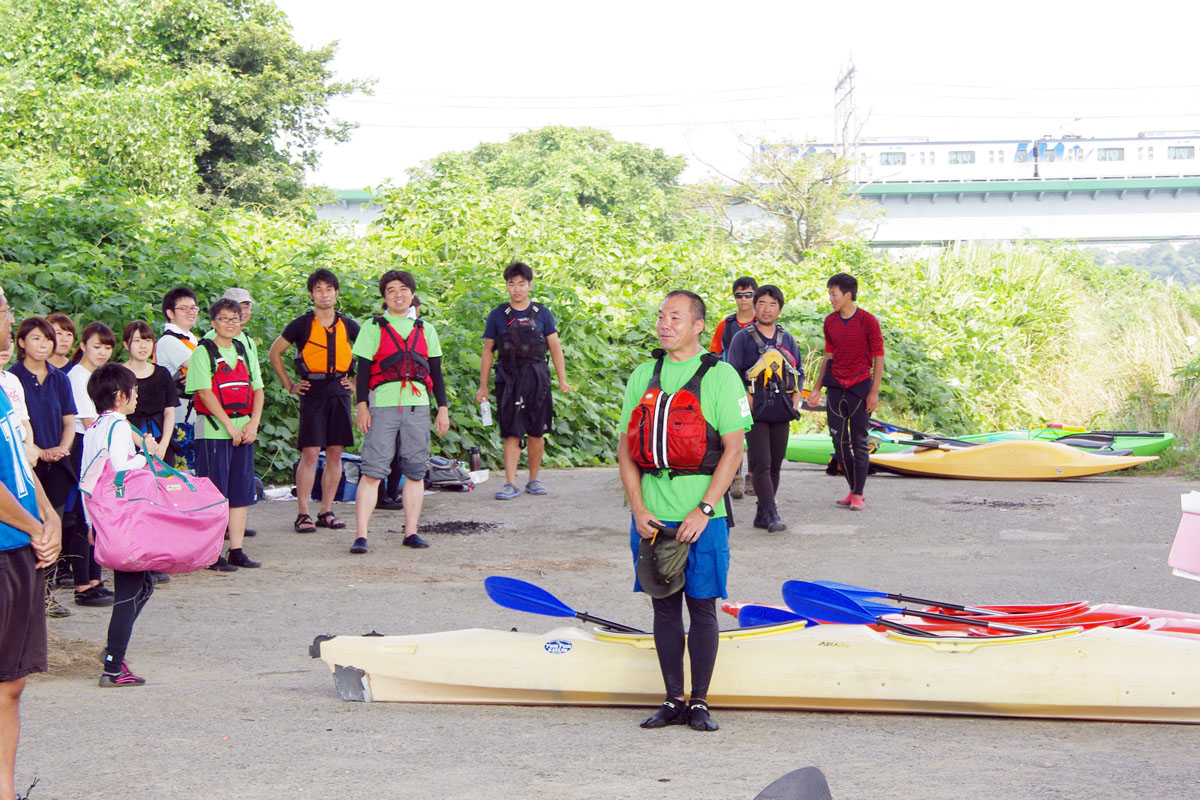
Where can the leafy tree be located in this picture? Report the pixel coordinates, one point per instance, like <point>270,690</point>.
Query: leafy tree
<point>185,97</point>
<point>787,201</point>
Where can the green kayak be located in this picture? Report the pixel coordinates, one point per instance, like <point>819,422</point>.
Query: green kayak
<point>816,448</point>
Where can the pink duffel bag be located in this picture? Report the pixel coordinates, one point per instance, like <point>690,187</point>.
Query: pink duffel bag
<point>156,518</point>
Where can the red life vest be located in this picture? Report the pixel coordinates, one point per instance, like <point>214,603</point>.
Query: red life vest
<point>231,385</point>
<point>668,432</point>
<point>404,361</point>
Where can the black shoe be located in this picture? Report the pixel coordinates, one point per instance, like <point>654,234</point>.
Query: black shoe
<point>774,523</point>
<point>760,521</point>
<point>93,597</point>
<point>251,532</point>
<point>104,590</point>
<point>157,577</point>
<point>243,560</point>
<point>698,717</point>
<point>359,547</point>
<point>671,712</point>
<point>63,579</point>
<point>389,504</point>
<point>221,565</point>
<point>414,541</point>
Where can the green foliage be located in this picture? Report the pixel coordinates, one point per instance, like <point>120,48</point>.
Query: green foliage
<point>167,97</point>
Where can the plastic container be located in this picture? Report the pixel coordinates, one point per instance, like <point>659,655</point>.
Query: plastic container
<point>485,413</point>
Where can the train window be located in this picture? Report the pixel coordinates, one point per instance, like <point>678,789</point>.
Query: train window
<point>1110,154</point>
<point>1180,153</point>
<point>891,159</point>
<point>991,156</point>
<point>1022,156</point>
<point>931,155</point>
<point>962,156</point>
<point>1149,153</point>
<point>1000,156</point>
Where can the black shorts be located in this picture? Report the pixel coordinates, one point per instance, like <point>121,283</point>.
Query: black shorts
<point>22,615</point>
<point>325,421</point>
<point>57,479</point>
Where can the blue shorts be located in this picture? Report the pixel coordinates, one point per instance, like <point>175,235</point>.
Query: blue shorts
<point>231,469</point>
<point>707,564</point>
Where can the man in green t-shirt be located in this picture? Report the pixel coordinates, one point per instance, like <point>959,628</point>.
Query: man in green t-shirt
<point>690,496</point>
<point>399,365</point>
<point>228,389</point>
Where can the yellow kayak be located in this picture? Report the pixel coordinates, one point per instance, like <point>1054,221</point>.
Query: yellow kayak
<point>1010,460</point>
<point>1072,673</point>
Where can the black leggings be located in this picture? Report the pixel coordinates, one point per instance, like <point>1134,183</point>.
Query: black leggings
<point>81,556</point>
<point>846,410</point>
<point>132,590</point>
<point>766,445</point>
<point>701,642</point>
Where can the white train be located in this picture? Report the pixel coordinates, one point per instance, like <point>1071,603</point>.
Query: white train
<point>918,160</point>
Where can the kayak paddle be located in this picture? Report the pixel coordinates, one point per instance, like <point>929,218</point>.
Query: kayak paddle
<point>523,596</point>
<point>822,603</point>
<point>858,591</point>
<point>753,615</point>
<point>801,592</point>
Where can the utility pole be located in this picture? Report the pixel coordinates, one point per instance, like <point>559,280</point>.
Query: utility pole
<point>845,118</point>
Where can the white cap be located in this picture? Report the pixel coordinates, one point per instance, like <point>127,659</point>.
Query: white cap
<point>237,295</point>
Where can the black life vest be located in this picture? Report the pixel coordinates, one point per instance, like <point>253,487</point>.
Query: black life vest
<point>231,385</point>
<point>668,432</point>
<point>774,378</point>
<point>522,342</point>
<point>404,361</point>
<point>324,352</point>
<point>732,326</point>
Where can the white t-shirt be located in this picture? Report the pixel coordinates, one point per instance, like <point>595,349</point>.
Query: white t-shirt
<point>170,353</point>
<point>78,376</point>
<point>121,451</point>
<point>11,385</point>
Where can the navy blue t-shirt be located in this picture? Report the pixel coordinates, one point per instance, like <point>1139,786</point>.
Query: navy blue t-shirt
<point>48,402</point>
<point>497,325</point>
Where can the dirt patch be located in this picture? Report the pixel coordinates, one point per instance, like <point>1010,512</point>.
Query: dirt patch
<point>453,527</point>
<point>71,657</point>
<point>1035,502</point>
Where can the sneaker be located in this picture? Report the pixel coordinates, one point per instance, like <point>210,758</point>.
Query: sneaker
<point>359,547</point>
<point>508,492</point>
<point>122,678</point>
<point>389,504</point>
<point>671,712</point>
<point>698,717</point>
<point>157,577</point>
<point>535,487</point>
<point>243,560</point>
<point>845,501</point>
<point>749,490</point>
<point>93,597</point>
<point>250,532</point>
<point>857,504</point>
<point>221,565</point>
<point>56,609</point>
<point>414,540</point>
<point>63,579</point>
<point>737,488</point>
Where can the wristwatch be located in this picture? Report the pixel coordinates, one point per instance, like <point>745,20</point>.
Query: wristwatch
<point>706,509</point>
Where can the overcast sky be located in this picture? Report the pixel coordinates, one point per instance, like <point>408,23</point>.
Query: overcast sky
<point>699,79</point>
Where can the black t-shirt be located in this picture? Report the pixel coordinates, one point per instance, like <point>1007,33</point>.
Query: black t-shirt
<point>298,330</point>
<point>155,394</point>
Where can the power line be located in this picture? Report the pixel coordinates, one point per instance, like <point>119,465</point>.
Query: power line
<point>813,84</point>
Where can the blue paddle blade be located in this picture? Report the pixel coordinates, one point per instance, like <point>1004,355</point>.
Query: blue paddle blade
<point>522,596</point>
<point>824,604</point>
<point>751,616</point>
<point>851,591</point>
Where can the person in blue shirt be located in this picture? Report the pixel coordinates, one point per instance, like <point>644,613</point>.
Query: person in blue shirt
<point>30,541</point>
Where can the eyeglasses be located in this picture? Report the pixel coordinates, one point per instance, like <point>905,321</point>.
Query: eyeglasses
<point>9,313</point>
<point>227,320</point>
<point>187,309</point>
<point>743,295</point>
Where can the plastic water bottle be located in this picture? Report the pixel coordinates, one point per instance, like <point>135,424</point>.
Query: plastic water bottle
<point>485,412</point>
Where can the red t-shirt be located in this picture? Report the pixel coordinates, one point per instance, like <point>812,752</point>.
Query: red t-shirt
<point>853,343</point>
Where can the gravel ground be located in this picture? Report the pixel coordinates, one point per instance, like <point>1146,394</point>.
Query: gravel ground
<point>234,707</point>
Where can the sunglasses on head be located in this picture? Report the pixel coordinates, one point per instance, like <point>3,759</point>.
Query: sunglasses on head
<point>743,295</point>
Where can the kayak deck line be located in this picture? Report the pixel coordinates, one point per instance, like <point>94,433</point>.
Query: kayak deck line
<point>1072,673</point>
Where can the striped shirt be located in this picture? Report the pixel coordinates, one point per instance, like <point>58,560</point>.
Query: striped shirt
<point>853,343</point>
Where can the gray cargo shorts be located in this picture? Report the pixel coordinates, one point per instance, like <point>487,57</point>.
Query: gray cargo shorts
<point>410,424</point>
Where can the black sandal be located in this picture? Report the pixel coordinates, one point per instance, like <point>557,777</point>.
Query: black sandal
<point>327,519</point>
<point>304,524</point>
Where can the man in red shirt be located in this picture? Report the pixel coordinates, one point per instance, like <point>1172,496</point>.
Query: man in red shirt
<point>852,370</point>
<point>743,294</point>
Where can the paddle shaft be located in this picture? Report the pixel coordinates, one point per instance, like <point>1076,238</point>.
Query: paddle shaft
<point>904,598</point>
<point>960,620</point>
<point>616,626</point>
